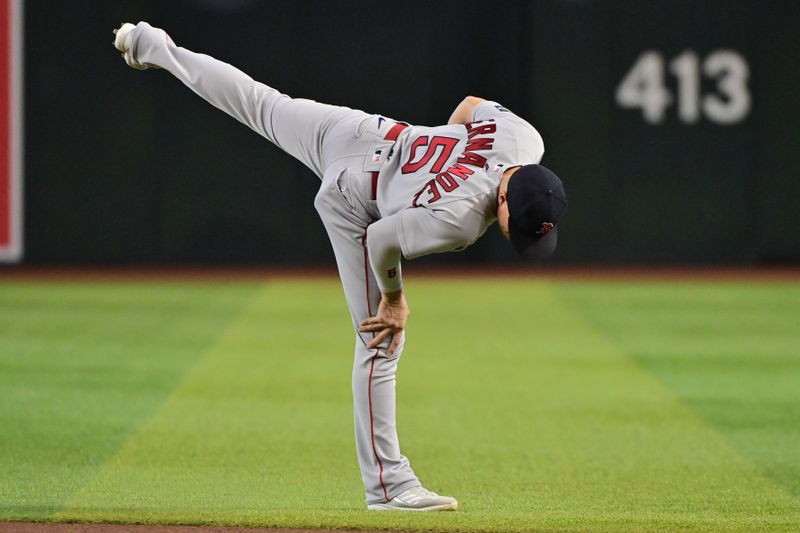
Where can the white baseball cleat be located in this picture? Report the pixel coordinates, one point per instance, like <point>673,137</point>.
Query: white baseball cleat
<point>122,42</point>
<point>416,499</point>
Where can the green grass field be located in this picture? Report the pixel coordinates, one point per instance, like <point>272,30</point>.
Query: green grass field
<point>542,405</point>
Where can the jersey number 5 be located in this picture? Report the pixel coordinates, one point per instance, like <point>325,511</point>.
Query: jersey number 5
<point>443,145</point>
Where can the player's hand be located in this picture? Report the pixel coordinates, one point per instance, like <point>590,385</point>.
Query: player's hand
<point>389,322</point>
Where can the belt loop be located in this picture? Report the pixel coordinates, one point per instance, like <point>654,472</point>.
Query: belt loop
<point>374,186</point>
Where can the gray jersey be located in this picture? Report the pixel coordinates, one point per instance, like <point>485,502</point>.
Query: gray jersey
<point>454,173</point>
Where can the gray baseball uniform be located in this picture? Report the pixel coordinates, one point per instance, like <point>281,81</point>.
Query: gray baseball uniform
<point>386,190</point>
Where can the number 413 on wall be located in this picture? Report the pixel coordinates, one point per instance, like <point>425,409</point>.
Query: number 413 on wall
<point>728,103</point>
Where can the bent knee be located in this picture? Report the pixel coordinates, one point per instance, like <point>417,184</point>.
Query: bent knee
<point>327,199</point>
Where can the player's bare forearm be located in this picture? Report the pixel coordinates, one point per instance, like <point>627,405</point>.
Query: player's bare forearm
<point>463,112</point>
<point>390,321</point>
<point>393,297</point>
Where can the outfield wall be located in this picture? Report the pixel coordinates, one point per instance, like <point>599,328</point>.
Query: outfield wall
<point>673,123</point>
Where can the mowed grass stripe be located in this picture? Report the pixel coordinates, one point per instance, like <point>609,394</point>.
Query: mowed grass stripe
<point>261,422</point>
<point>561,425</point>
<point>730,351</point>
<point>527,413</point>
<point>82,365</point>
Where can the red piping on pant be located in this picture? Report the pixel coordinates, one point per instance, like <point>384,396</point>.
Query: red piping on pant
<point>371,368</point>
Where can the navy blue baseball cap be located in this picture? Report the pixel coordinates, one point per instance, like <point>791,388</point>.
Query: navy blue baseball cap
<point>536,202</point>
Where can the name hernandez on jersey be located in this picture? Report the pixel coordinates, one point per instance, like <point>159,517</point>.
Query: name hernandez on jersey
<point>455,168</point>
<point>480,137</point>
<point>437,190</point>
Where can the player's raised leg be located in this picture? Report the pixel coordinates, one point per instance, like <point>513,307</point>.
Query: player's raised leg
<point>303,128</point>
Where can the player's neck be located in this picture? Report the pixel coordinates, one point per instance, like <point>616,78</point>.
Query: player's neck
<point>502,187</point>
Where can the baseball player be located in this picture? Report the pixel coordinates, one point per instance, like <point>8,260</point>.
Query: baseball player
<point>387,190</point>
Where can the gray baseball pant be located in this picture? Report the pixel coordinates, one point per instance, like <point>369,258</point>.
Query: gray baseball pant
<point>334,142</point>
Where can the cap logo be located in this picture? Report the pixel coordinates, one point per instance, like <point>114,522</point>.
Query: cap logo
<point>546,227</point>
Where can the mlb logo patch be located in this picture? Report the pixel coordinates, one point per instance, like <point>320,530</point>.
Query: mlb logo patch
<point>498,167</point>
<point>376,156</point>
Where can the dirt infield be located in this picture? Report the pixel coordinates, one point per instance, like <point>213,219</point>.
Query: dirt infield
<point>42,527</point>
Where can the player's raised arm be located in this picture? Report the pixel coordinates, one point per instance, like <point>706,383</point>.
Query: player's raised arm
<point>463,112</point>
